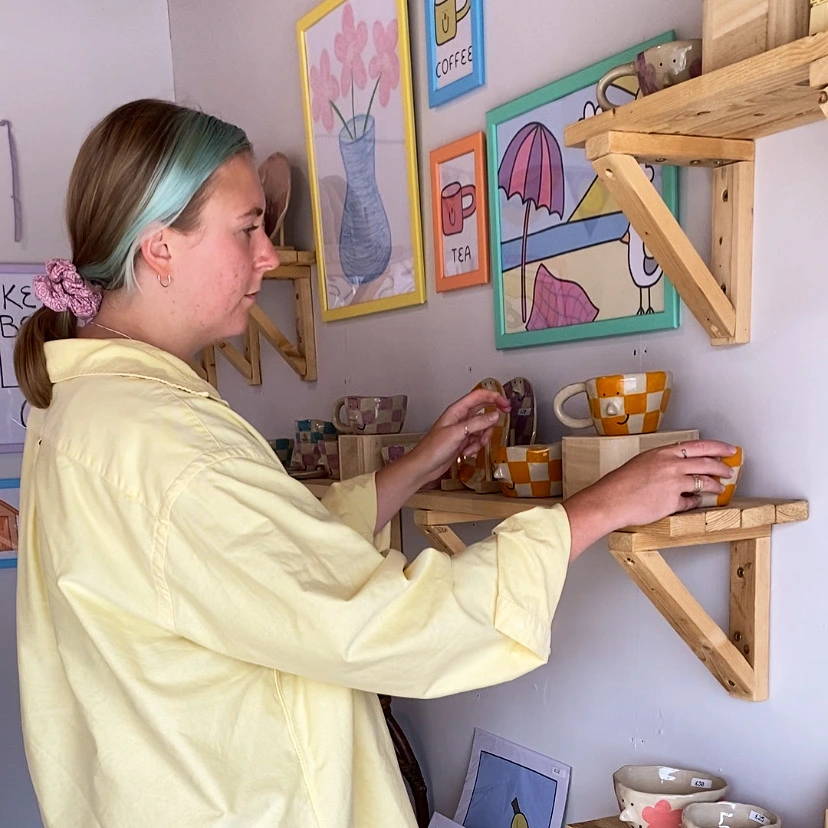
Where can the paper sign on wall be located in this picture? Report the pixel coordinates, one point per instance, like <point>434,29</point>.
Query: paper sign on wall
<point>17,303</point>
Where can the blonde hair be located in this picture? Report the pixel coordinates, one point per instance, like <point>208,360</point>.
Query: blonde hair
<point>146,164</point>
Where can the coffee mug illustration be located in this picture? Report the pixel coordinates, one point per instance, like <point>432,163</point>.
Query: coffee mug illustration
<point>455,212</point>
<point>446,18</point>
<point>656,69</point>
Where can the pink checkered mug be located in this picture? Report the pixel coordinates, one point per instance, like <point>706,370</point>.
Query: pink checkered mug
<point>370,415</point>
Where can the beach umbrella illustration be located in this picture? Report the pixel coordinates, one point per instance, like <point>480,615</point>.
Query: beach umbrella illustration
<point>532,168</point>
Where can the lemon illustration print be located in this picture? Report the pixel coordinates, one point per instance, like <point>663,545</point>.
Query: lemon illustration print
<point>518,820</point>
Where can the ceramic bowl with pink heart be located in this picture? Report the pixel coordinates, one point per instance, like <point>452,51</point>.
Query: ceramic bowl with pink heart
<point>654,796</point>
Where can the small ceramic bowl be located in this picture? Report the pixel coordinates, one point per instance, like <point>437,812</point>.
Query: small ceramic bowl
<point>650,796</point>
<point>728,815</point>
<point>710,499</point>
<point>528,471</point>
<point>283,448</point>
<point>329,457</point>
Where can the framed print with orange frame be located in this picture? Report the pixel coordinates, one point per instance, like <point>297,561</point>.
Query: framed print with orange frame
<point>460,213</point>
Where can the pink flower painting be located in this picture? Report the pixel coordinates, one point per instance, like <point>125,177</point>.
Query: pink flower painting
<point>325,89</point>
<point>662,816</point>
<point>385,65</point>
<point>348,46</point>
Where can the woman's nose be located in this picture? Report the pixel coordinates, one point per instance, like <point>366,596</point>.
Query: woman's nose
<point>268,258</point>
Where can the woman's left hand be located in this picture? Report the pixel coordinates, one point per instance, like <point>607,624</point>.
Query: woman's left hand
<point>462,429</point>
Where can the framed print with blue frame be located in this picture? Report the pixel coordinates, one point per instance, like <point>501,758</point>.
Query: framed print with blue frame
<point>9,513</point>
<point>566,262</point>
<point>454,48</point>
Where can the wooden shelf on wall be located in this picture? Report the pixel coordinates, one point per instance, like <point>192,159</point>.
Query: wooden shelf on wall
<point>711,121</point>
<point>605,822</point>
<point>738,658</point>
<point>295,266</point>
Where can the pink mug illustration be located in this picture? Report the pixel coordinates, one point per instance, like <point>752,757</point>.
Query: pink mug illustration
<point>455,212</point>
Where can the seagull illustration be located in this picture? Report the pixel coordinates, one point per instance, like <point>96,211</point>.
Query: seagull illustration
<point>644,269</point>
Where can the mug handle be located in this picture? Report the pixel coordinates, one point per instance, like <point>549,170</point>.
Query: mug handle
<point>342,428</point>
<point>610,77</point>
<point>464,11</point>
<point>561,397</point>
<point>469,191</point>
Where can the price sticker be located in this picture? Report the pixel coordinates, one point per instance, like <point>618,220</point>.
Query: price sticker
<point>761,819</point>
<point>705,784</point>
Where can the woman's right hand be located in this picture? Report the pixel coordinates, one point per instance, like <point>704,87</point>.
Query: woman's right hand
<point>651,486</point>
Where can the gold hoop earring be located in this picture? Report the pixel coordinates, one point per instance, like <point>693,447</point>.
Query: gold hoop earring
<point>164,284</point>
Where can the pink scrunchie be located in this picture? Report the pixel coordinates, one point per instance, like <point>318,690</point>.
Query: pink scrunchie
<point>62,288</point>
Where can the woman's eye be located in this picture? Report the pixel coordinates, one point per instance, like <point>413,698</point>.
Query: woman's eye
<point>251,230</point>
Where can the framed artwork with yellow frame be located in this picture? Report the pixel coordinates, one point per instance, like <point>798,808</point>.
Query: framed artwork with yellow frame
<point>460,213</point>
<point>362,156</point>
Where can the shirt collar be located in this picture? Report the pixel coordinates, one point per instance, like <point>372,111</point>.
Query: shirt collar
<point>68,359</point>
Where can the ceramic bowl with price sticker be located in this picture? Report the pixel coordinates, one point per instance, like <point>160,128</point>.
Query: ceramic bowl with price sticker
<point>651,796</point>
<point>728,815</point>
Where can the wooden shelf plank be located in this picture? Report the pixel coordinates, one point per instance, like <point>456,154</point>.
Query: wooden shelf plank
<point>604,822</point>
<point>741,513</point>
<point>674,150</point>
<point>757,97</point>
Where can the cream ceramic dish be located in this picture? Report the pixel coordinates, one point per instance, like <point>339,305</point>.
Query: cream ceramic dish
<point>651,796</point>
<point>728,815</point>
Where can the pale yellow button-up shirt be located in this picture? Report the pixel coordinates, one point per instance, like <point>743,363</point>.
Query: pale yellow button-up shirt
<point>201,640</point>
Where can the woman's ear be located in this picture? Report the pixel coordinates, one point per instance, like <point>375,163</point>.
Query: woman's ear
<point>156,252</point>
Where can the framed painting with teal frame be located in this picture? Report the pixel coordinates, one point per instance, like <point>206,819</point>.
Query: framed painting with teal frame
<point>566,263</point>
<point>9,506</point>
<point>455,56</point>
<point>362,156</point>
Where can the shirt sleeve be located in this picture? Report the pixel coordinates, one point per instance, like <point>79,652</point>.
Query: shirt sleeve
<point>250,564</point>
<point>354,502</point>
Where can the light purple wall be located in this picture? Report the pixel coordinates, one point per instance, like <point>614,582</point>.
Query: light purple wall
<point>63,65</point>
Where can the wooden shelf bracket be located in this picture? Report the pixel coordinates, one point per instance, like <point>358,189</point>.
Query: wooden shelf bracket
<point>296,266</point>
<point>719,298</point>
<point>738,659</point>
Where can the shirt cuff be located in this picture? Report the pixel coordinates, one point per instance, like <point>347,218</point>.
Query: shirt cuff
<point>354,502</point>
<point>533,548</point>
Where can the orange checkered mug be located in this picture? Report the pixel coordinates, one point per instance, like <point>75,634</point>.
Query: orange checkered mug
<point>528,471</point>
<point>620,404</point>
<point>735,461</point>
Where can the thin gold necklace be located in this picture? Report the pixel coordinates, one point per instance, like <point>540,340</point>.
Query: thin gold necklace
<point>111,330</point>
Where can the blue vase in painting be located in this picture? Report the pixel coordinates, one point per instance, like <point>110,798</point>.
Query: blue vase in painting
<point>365,236</point>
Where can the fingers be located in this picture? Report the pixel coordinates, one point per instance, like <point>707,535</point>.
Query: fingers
<point>703,448</point>
<point>706,465</point>
<point>477,424</point>
<point>473,401</point>
<point>698,483</point>
<point>688,502</point>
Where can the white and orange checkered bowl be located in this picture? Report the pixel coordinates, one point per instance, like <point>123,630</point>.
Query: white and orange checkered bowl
<point>528,471</point>
<point>711,499</point>
<point>619,404</point>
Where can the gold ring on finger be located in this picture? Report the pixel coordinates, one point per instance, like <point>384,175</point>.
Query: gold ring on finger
<point>697,484</point>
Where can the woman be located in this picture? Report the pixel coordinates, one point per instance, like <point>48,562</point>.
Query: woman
<point>200,640</point>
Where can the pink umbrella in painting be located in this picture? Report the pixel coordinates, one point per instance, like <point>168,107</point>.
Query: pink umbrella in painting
<point>532,168</point>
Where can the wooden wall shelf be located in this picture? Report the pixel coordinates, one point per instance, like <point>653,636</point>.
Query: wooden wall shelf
<point>738,658</point>
<point>296,266</point>
<point>605,822</point>
<point>711,121</point>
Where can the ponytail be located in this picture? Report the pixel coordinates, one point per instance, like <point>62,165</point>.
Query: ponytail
<point>44,325</point>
